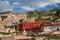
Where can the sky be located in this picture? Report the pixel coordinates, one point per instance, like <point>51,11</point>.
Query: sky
<point>28,5</point>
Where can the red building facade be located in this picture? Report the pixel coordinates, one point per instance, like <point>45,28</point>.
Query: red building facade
<point>29,26</point>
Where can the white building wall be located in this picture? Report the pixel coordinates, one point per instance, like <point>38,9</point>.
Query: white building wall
<point>55,27</point>
<point>47,29</point>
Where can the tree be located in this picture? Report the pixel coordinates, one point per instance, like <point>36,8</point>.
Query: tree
<point>3,17</point>
<point>58,13</point>
<point>21,20</point>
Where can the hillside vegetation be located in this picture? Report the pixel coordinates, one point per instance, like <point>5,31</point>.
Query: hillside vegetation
<point>50,15</point>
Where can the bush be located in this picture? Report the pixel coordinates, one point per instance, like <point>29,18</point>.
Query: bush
<point>4,33</point>
<point>34,35</point>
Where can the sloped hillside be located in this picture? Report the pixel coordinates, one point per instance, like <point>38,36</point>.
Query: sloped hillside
<point>50,15</point>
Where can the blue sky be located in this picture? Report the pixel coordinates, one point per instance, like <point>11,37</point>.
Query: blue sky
<point>28,5</point>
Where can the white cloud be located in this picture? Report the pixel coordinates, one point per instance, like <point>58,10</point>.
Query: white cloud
<point>27,5</point>
<point>45,3</point>
<point>5,6</point>
<point>42,4</point>
<point>15,3</point>
<point>55,1</point>
<point>27,8</point>
<point>37,3</point>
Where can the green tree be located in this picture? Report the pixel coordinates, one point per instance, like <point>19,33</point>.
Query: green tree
<point>21,20</point>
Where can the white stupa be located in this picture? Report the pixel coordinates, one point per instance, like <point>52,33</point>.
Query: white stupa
<point>24,32</point>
